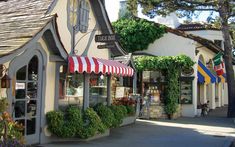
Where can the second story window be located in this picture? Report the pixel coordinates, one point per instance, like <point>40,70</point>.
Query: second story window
<point>84,10</point>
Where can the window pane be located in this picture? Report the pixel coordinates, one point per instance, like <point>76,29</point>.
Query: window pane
<point>98,90</point>
<point>19,109</point>
<point>21,73</point>
<point>32,90</point>
<point>20,94</point>
<point>31,126</point>
<point>33,69</point>
<point>74,90</point>
<point>31,108</point>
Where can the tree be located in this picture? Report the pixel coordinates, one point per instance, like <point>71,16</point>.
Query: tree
<point>226,11</point>
<point>137,34</point>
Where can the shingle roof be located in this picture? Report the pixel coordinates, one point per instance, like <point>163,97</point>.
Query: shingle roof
<point>196,26</point>
<point>20,20</point>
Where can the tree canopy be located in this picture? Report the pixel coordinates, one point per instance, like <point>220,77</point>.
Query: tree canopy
<point>137,34</point>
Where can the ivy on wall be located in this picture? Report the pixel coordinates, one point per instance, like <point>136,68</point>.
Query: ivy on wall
<point>137,34</point>
<point>172,66</point>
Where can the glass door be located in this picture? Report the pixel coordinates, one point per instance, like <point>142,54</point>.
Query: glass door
<point>27,100</point>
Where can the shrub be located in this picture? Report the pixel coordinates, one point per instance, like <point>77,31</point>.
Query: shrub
<point>55,121</point>
<point>130,110</point>
<point>65,124</point>
<point>71,123</point>
<point>92,124</point>
<point>105,114</point>
<point>119,114</point>
<point>123,109</point>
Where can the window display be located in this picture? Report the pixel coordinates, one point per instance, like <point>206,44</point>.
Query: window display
<point>186,91</point>
<point>154,84</point>
<point>98,90</point>
<point>72,94</point>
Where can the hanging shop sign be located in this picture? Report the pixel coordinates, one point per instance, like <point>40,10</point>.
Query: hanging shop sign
<point>187,71</point>
<point>106,38</point>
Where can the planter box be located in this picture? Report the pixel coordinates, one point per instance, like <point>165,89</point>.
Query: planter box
<point>128,120</point>
<point>97,136</point>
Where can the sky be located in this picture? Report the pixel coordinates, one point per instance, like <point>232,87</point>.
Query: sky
<point>112,7</point>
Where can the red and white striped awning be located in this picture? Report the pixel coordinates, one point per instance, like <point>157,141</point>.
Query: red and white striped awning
<point>96,65</point>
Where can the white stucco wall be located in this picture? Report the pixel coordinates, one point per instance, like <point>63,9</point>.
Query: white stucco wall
<point>84,46</point>
<point>209,34</point>
<point>172,45</point>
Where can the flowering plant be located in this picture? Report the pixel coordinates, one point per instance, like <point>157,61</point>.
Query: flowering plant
<point>124,101</point>
<point>10,131</point>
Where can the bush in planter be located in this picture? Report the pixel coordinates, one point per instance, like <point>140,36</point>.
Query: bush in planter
<point>71,123</point>
<point>119,112</point>
<point>65,124</point>
<point>130,110</point>
<point>92,124</point>
<point>105,114</point>
<point>124,110</point>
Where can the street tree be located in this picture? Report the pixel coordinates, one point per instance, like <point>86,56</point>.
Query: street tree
<point>226,12</point>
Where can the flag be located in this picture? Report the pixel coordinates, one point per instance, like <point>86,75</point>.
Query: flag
<point>219,64</point>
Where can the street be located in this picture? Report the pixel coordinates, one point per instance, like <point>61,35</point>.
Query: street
<point>210,131</point>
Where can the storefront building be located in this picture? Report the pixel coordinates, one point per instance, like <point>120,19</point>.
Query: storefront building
<point>48,50</point>
<point>197,86</point>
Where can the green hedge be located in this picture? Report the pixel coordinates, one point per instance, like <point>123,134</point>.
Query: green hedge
<point>92,124</point>
<point>119,112</point>
<point>72,124</point>
<point>130,110</point>
<point>106,115</point>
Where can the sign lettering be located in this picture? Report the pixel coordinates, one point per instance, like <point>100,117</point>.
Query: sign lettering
<point>106,38</point>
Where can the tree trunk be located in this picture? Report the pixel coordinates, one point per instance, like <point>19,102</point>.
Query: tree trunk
<point>228,58</point>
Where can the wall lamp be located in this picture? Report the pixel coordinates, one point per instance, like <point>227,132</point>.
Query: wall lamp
<point>5,79</point>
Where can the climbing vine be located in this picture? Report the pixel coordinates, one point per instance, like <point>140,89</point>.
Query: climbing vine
<point>171,65</point>
<point>137,34</point>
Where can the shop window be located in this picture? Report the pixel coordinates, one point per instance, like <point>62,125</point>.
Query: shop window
<point>70,89</point>
<point>154,85</point>
<point>98,89</point>
<point>186,90</point>
<point>84,10</point>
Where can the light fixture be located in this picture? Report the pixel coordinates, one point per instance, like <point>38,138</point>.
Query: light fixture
<point>5,79</point>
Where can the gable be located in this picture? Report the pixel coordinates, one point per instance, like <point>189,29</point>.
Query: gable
<point>84,42</point>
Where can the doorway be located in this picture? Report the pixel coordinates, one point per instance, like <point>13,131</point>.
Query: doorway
<point>27,94</point>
